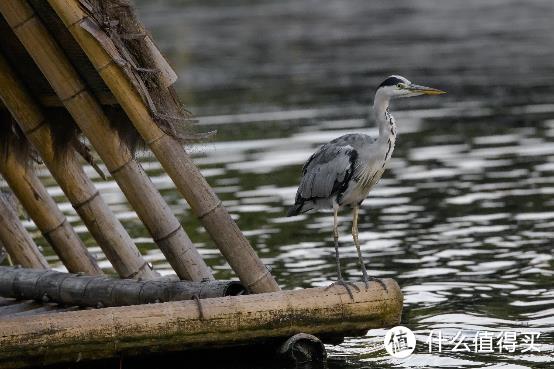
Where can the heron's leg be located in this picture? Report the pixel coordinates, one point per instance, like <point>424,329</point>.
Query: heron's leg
<point>357,242</point>
<point>340,281</point>
<point>358,249</point>
<point>336,238</point>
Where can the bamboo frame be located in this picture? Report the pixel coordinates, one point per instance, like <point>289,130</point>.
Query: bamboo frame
<point>177,163</point>
<point>149,205</point>
<point>47,216</point>
<point>18,242</point>
<point>94,334</point>
<point>100,221</point>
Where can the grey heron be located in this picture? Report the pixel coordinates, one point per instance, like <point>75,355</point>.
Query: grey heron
<point>342,172</point>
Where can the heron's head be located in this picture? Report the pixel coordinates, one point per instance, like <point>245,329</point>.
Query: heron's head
<point>398,86</point>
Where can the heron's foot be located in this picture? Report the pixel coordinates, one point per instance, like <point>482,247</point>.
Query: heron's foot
<point>374,279</point>
<point>346,285</point>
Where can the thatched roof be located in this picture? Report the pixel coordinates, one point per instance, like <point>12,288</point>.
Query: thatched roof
<point>142,63</point>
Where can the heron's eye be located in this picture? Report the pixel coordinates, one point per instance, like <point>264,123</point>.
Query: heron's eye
<point>400,85</point>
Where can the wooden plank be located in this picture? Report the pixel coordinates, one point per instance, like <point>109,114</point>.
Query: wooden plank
<point>174,326</point>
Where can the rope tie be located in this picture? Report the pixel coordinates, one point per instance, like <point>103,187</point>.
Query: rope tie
<point>141,268</point>
<point>154,140</point>
<point>83,89</point>
<point>24,21</point>
<point>101,68</point>
<point>46,233</point>
<point>267,272</point>
<point>168,235</point>
<point>78,205</point>
<point>112,172</point>
<point>218,205</point>
<point>35,128</point>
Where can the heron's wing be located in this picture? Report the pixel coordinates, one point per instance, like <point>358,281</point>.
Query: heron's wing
<point>327,172</point>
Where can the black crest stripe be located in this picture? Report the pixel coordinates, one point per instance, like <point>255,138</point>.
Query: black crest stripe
<point>391,81</point>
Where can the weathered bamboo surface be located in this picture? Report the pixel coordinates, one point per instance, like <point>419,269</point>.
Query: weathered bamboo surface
<point>177,163</point>
<point>91,119</point>
<point>98,291</point>
<point>46,215</point>
<point>79,189</point>
<point>174,326</point>
<point>17,241</point>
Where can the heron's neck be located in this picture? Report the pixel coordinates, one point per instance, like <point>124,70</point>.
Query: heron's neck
<point>385,121</point>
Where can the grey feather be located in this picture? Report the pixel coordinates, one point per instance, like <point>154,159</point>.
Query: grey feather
<point>329,171</point>
<point>327,167</point>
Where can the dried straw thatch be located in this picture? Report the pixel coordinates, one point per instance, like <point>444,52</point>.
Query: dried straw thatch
<point>141,61</point>
<point>13,139</point>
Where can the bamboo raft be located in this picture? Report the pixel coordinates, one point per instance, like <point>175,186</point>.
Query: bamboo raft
<point>80,72</point>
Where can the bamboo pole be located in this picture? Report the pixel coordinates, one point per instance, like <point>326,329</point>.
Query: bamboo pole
<point>177,163</point>
<point>149,205</point>
<point>49,219</point>
<point>79,189</point>
<point>98,291</point>
<point>17,241</point>
<point>94,334</point>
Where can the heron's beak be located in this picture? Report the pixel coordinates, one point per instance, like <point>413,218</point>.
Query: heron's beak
<point>424,90</point>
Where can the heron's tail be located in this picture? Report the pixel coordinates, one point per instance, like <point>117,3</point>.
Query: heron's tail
<point>301,206</point>
<point>294,210</point>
